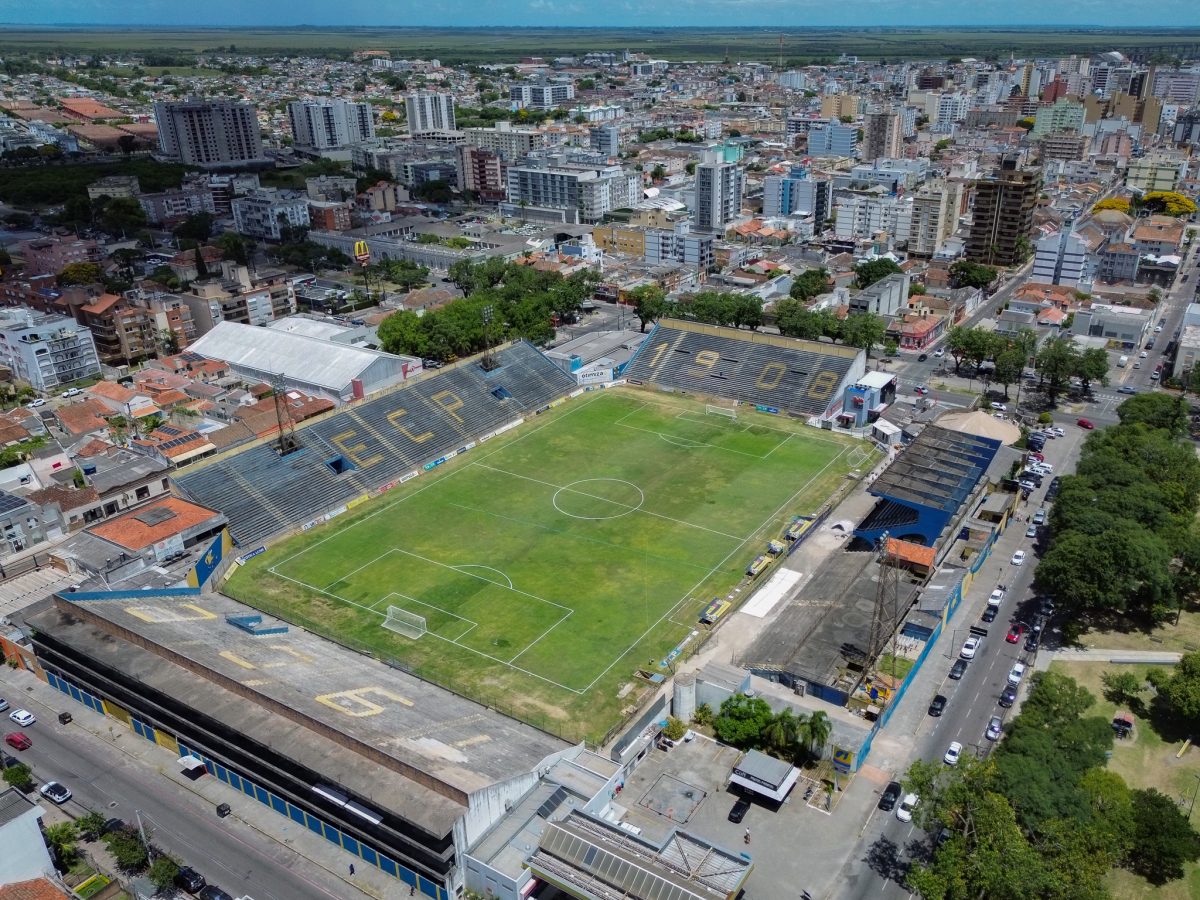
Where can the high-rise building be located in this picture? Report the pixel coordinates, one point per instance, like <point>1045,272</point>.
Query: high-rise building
<point>428,111</point>
<point>605,139</point>
<point>837,105</point>
<point>1003,216</point>
<point>482,173</point>
<point>584,193</point>
<point>210,133</point>
<point>330,124</point>
<point>718,193</point>
<point>798,194</point>
<point>881,135</point>
<point>832,139</point>
<point>511,143</point>
<point>863,217</point>
<point>542,95</point>
<point>1064,114</point>
<point>267,213</point>
<point>46,350</point>
<point>934,216</point>
<point>1062,258</point>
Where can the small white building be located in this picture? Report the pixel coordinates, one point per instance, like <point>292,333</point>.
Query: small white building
<point>25,857</point>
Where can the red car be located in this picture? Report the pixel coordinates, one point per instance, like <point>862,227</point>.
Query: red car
<point>1037,456</point>
<point>1014,633</point>
<point>18,741</point>
<point>1084,423</point>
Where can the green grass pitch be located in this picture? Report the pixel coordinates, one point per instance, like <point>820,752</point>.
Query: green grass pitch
<point>553,561</point>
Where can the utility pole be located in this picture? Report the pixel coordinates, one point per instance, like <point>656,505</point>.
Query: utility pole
<point>142,830</point>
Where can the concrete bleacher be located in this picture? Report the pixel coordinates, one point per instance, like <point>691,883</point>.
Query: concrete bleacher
<point>803,378</point>
<point>353,451</point>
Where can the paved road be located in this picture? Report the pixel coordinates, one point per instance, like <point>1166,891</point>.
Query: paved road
<point>227,852</point>
<point>878,865</point>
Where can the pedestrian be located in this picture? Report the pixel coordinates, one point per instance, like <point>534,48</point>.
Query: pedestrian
<point>351,868</point>
<point>747,836</point>
<point>412,890</point>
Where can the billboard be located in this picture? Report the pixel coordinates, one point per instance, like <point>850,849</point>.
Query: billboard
<point>362,252</point>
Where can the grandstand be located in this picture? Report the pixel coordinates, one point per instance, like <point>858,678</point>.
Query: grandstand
<point>355,450</point>
<point>800,378</point>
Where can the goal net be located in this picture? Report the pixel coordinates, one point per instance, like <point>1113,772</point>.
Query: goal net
<point>728,412</point>
<point>403,622</point>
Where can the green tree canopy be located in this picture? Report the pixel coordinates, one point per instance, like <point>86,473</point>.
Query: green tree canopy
<point>869,271</point>
<point>742,720</point>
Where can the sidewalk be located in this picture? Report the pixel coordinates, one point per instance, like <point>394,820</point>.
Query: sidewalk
<point>1131,657</point>
<point>204,794</point>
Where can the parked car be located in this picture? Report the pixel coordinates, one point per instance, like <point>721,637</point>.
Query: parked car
<point>970,647</point>
<point>953,752</point>
<point>1039,517</point>
<point>996,597</point>
<point>958,669</point>
<point>212,892</point>
<point>53,790</point>
<point>904,812</point>
<point>994,729</point>
<point>989,614</point>
<point>18,741</point>
<point>190,880</point>
<point>999,406</point>
<point>1018,558</point>
<point>891,793</point>
<point>1085,424</point>
<point>1059,431</point>
<point>3,704</point>
<point>740,807</point>
<point>34,404</point>
<point>1031,642</point>
<point>22,717</point>
<point>1014,633</point>
<point>72,392</point>
<point>1008,696</point>
<point>429,364</point>
<point>1031,531</point>
<point>1016,673</point>
<point>937,706</point>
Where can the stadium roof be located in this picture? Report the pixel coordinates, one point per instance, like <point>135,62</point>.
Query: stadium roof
<point>396,741</point>
<point>939,469</point>
<point>299,358</point>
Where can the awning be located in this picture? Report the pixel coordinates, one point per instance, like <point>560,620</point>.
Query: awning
<point>190,763</point>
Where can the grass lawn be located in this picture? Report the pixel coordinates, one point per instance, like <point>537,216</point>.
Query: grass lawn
<point>552,563</point>
<point>1183,638</point>
<point>897,666</point>
<point>1145,761</point>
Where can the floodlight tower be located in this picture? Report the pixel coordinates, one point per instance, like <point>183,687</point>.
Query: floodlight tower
<point>489,361</point>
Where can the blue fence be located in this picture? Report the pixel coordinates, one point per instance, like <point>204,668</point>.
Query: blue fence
<point>131,595</point>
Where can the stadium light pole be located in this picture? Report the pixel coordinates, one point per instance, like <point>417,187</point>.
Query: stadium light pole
<point>486,314</point>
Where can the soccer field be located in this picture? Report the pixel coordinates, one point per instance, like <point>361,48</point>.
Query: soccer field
<point>552,562</point>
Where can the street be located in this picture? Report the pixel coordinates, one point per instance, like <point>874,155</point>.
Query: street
<point>227,852</point>
<point>887,845</point>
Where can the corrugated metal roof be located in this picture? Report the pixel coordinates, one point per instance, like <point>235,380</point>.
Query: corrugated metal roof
<point>297,357</point>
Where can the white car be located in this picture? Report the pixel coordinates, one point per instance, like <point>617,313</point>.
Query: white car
<point>1042,468</point>
<point>22,717</point>
<point>939,352</point>
<point>1058,432</point>
<point>34,404</point>
<point>52,790</point>
<point>994,729</point>
<point>970,647</point>
<point>1018,558</point>
<point>1016,674</point>
<point>953,752</point>
<point>999,406</point>
<point>72,392</point>
<point>996,597</point>
<point>1143,355</point>
<point>904,811</point>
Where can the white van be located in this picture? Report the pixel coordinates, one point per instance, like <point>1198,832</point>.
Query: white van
<point>1122,361</point>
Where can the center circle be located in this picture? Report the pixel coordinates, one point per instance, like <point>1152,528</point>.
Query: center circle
<point>595,499</point>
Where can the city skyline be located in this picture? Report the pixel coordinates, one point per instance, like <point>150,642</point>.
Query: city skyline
<point>698,13</point>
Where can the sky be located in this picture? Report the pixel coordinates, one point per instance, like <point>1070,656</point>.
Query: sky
<point>795,13</point>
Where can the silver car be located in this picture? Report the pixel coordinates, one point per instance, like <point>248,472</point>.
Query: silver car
<point>994,729</point>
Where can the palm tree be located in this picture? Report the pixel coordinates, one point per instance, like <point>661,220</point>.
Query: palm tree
<point>783,731</point>
<point>818,728</point>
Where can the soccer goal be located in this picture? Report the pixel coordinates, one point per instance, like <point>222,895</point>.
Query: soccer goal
<point>729,412</point>
<point>403,622</point>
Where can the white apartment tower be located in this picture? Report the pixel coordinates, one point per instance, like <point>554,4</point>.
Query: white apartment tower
<point>330,124</point>
<point>718,193</point>
<point>210,133</point>
<point>428,111</point>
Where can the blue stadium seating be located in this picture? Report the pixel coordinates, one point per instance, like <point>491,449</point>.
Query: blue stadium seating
<point>799,377</point>
<point>364,446</point>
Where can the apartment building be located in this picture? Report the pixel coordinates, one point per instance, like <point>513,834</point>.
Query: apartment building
<point>834,106</point>
<point>718,199</point>
<point>50,255</point>
<point>169,207</point>
<point>123,332</point>
<point>330,215</point>
<point>544,95</point>
<point>583,193</point>
<point>1155,173</point>
<point>832,139</point>
<point>1064,114</point>
<point>1063,258</point>
<point>266,213</point>
<point>330,124</point>
<point>678,244</point>
<point>798,194</point>
<point>934,216</point>
<point>865,216</point>
<point>1003,214</point>
<point>511,143</point>
<point>882,135</point>
<point>235,298</point>
<point>210,133</point>
<point>482,172</point>
<point>429,111</point>
<point>48,351</point>
<point>605,139</point>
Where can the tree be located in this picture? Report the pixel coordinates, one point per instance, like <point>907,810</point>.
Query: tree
<point>234,247</point>
<point>1056,362</point>
<point>742,720</point>
<point>965,273</point>
<point>127,143</point>
<point>872,270</point>
<point>793,320</point>
<point>676,728</point>
<point>782,734</point>
<point>1117,203</point>
<point>1167,203</point>
<point>649,304</point>
<point>1122,687</point>
<point>658,173</point>
<point>80,273</point>
<point>1010,365</point>
<point>122,215</point>
<point>19,776</point>
<point>1092,365</point>
<point>816,732</point>
<point>1170,413</point>
<point>61,838</point>
<point>91,824</point>
<point>864,330</point>
<point>1163,839</point>
<point>1180,692</point>
<point>163,872</point>
<point>809,283</point>
<point>126,847</point>
<point>196,227</point>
